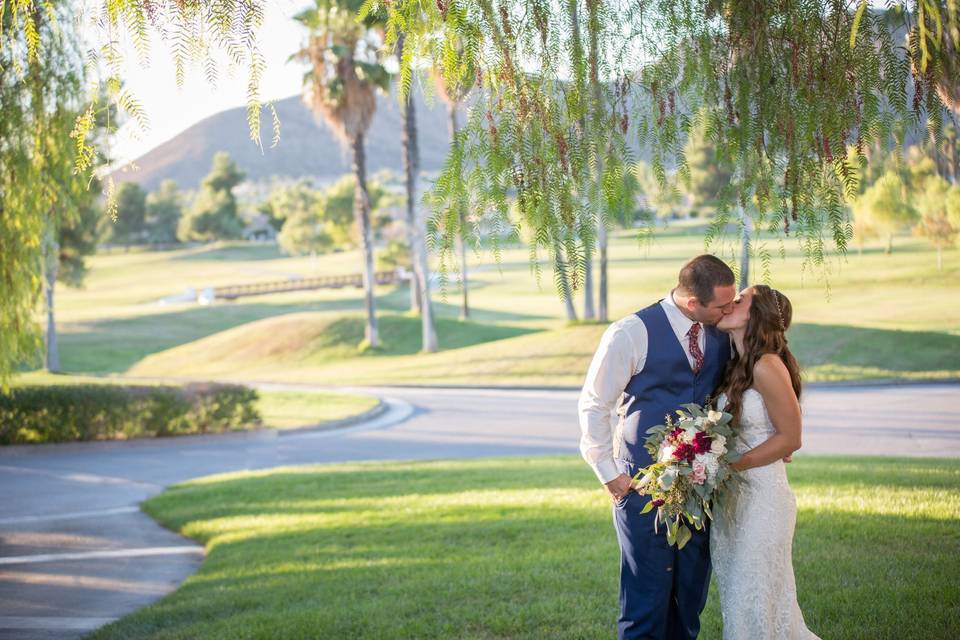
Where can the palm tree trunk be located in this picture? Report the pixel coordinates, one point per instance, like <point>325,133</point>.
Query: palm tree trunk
<point>461,245</point>
<point>408,142</point>
<point>361,211</point>
<point>51,264</point>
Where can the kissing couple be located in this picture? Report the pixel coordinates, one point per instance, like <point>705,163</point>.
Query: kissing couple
<point>704,341</point>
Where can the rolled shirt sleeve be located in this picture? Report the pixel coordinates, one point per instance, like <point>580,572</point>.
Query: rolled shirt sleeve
<point>616,360</point>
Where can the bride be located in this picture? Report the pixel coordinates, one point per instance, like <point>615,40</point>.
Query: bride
<point>751,538</point>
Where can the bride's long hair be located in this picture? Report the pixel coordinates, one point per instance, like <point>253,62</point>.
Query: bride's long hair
<point>770,316</point>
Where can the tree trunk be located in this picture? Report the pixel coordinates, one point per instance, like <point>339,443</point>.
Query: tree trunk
<point>939,258</point>
<point>588,311</point>
<point>428,332</point>
<point>588,308</point>
<point>462,249</point>
<point>565,287</point>
<point>939,161</point>
<point>593,54</point>
<point>889,244</point>
<point>361,212</point>
<point>420,285</point>
<point>51,265</point>
<point>408,143</point>
<point>953,158</point>
<point>745,253</point>
<point>604,312</point>
<point>461,245</point>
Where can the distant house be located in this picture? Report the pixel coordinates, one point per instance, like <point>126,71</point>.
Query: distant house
<point>259,229</point>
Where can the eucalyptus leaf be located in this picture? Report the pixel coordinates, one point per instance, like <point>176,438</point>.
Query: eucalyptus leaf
<point>683,536</point>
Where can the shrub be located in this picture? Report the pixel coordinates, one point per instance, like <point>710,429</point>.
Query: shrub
<point>65,413</point>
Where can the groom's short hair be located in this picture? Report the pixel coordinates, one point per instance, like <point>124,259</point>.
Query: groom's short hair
<point>701,274</point>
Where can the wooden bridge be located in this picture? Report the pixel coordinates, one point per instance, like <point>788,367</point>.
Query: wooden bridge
<point>234,291</point>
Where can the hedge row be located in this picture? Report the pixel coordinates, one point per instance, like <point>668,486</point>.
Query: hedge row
<point>65,413</point>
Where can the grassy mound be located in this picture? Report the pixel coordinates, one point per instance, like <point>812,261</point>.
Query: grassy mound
<point>305,340</point>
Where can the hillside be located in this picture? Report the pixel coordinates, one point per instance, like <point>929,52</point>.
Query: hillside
<point>307,148</point>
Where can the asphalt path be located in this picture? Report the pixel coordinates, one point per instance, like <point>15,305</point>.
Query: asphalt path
<point>77,553</point>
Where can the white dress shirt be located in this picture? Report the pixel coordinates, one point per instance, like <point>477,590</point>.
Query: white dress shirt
<point>621,355</point>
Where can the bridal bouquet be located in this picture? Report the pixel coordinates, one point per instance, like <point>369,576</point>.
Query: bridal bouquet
<point>692,463</point>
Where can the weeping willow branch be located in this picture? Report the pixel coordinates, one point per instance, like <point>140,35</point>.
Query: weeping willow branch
<point>790,93</point>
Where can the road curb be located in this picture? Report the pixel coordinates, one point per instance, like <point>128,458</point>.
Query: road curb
<point>370,414</point>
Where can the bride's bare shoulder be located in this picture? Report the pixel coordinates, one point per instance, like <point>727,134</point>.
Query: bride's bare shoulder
<point>770,372</point>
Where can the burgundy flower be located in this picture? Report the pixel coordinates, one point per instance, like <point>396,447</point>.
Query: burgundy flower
<point>657,503</point>
<point>675,435</point>
<point>701,442</point>
<point>684,451</point>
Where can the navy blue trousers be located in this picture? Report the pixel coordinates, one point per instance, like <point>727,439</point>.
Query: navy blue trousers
<point>662,589</point>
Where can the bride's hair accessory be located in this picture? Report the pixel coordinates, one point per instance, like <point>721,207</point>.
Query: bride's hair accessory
<point>776,297</point>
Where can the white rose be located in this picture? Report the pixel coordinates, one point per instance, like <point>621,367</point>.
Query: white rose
<point>714,416</point>
<point>718,445</point>
<point>666,453</point>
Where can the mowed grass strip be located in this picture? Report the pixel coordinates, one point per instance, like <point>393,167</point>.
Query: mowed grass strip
<point>524,548</point>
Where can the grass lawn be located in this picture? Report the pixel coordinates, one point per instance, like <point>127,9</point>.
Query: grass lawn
<point>882,316</point>
<point>524,548</point>
<point>279,409</point>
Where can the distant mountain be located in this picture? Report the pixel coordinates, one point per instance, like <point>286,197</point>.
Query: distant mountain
<point>307,148</point>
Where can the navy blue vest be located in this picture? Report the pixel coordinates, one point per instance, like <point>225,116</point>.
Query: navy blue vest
<point>666,381</point>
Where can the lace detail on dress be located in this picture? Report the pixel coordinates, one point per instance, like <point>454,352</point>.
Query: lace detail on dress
<point>751,543</point>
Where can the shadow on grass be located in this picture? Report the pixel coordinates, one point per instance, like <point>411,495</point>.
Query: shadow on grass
<point>401,335</point>
<point>443,562</point>
<point>251,252</point>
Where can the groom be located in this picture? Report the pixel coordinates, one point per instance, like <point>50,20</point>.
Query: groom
<point>648,365</point>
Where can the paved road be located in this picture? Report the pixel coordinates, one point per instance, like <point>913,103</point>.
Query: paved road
<point>76,553</point>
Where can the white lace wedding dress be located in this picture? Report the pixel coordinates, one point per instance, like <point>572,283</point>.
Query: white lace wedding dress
<point>751,543</point>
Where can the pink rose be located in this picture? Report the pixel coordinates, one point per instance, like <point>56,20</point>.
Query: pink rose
<point>699,474</point>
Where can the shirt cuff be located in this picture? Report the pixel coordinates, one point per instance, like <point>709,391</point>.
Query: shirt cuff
<point>606,470</point>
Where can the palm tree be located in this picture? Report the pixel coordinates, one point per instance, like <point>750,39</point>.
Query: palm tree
<point>452,94</point>
<point>340,88</point>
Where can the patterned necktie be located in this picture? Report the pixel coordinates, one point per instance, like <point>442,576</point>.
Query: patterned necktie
<point>694,335</point>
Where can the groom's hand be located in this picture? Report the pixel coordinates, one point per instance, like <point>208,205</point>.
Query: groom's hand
<point>619,487</point>
<point>788,458</point>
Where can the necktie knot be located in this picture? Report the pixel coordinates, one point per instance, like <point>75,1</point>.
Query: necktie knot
<point>694,331</point>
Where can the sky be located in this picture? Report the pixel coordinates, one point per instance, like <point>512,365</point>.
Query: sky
<point>172,109</point>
